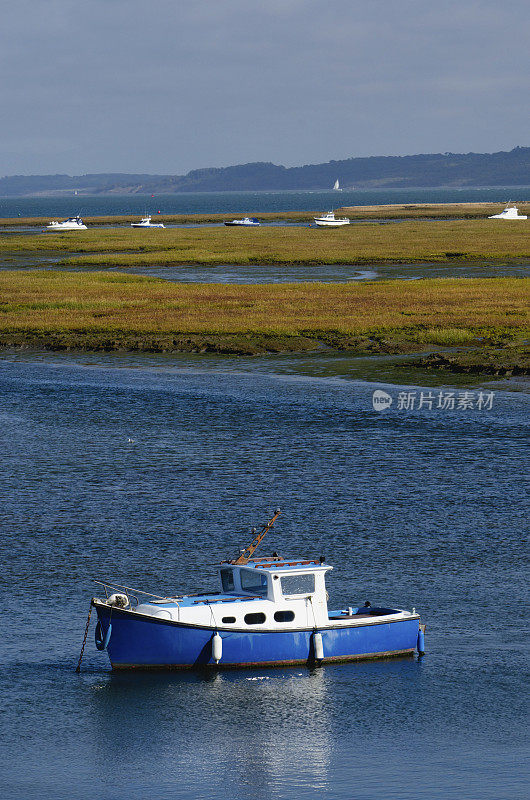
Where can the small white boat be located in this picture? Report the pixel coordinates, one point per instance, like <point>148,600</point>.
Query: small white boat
<point>70,224</point>
<point>145,222</point>
<point>329,220</point>
<point>336,186</point>
<point>510,212</point>
<point>246,221</point>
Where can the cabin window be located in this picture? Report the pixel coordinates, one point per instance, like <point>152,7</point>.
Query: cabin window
<point>298,584</point>
<point>255,619</point>
<point>284,616</point>
<point>227,580</point>
<point>227,620</point>
<point>253,581</point>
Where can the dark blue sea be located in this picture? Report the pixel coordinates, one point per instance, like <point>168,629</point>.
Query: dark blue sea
<point>149,470</point>
<point>245,202</point>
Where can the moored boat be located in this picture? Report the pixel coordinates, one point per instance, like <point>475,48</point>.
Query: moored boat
<point>70,224</point>
<point>510,212</point>
<point>268,611</point>
<point>246,222</point>
<point>329,220</point>
<point>145,222</point>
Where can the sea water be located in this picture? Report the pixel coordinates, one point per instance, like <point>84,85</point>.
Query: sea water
<point>64,205</point>
<point>150,470</point>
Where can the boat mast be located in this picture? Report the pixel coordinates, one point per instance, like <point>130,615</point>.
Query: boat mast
<point>245,556</point>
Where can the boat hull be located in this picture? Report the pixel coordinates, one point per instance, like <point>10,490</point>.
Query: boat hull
<point>142,642</point>
<point>61,228</point>
<point>338,223</point>
<point>504,216</point>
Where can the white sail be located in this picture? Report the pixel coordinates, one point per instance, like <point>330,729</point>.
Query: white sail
<point>336,185</point>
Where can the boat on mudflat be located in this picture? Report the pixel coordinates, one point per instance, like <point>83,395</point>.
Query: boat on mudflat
<point>329,220</point>
<point>70,224</point>
<point>510,212</point>
<point>247,222</point>
<point>145,222</point>
<point>268,611</point>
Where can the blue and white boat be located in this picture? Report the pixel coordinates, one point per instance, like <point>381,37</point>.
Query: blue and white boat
<point>246,222</point>
<point>268,611</point>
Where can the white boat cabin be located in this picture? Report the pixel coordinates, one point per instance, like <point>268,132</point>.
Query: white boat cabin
<point>291,591</point>
<point>265,593</point>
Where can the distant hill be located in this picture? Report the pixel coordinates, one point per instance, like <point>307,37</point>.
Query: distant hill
<point>84,184</point>
<point>448,169</point>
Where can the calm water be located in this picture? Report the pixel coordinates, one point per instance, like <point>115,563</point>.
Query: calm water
<point>150,470</point>
<point>245,202</point>
<point>280,273</point>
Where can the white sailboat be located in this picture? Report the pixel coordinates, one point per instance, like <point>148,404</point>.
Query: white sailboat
<point>336,186</point>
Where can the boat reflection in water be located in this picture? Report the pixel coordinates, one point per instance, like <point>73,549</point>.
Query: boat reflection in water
<point>246,734</point>
<point>224,729</point>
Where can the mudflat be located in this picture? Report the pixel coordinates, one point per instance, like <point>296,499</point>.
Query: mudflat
<point>362,243</point>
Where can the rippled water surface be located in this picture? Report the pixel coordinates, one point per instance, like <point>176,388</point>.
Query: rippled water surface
<point>150,470</point>
<point>246,202</point>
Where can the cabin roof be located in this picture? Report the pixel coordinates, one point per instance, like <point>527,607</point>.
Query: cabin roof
<point>277,564</point>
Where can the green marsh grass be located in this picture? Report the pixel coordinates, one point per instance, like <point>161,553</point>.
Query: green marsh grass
<point>430,210</point>
<point>445,307</point>
<point>407,242</point>
<point>445,336</point>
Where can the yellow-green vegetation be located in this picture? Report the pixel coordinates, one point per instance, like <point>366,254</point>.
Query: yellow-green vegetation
<point>52,299</point>
<point>430,210</point>
<point>361,243</point>
<point>115,311</point>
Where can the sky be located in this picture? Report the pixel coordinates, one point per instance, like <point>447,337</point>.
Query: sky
<point>165,86</point>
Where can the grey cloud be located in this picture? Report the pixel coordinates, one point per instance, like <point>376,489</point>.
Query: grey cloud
<point>118,85</point>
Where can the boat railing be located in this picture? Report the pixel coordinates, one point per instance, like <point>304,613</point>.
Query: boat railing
<point>131,593</point>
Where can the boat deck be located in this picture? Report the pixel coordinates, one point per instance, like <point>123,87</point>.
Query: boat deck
<point>188,601</point>
<point>361,612</point>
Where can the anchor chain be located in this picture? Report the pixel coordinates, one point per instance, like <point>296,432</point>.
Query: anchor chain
<point>78,668</point>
